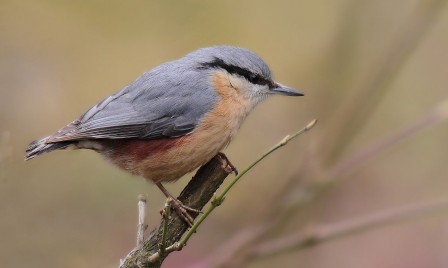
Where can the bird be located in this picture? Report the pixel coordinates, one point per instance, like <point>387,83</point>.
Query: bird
<point>174,118</point>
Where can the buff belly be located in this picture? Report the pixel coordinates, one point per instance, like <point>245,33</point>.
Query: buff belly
<point>163,159</point>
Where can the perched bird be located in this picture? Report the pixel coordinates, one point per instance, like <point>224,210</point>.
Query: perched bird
<point>175,117</point>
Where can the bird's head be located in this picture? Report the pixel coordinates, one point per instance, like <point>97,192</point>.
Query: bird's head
<point>243,70</point>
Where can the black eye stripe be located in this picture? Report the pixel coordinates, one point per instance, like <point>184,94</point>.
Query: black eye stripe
<point>232,69</point>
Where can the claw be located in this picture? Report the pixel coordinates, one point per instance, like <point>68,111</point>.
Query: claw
<point>229,164</point>
<point>182,211</point>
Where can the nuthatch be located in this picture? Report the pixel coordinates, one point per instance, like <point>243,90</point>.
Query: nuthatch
<point>175,117</point>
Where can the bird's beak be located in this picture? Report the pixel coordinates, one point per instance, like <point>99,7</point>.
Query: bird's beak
<point>285,90</point>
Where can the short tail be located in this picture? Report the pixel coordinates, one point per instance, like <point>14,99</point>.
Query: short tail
<point>41,146</point>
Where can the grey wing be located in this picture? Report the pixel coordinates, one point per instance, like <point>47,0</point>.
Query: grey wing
<point>154,106</point>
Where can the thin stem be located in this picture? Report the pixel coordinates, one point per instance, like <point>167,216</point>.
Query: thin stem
<point>163,250</point>
<point>220,198</point>
<point>141,220</point>
<point>325,233</point>
<point>349,164</point>
<point>166,217</point>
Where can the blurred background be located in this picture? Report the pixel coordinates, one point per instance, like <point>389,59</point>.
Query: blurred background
<point>374,74</point>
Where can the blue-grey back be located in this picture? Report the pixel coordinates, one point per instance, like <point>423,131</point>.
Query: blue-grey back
<point>167,101</point>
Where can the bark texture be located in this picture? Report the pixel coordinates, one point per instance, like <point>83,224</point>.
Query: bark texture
<point>196,195</point>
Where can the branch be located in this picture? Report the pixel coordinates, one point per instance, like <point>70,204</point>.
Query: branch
<point>141,220</point>
<point>195,195</point>
<point>318,235</point>
<point>349,164</point>
<point>315,236</point>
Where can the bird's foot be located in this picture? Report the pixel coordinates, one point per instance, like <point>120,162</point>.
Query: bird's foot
<point>182,211</point>
<point>229,164</point>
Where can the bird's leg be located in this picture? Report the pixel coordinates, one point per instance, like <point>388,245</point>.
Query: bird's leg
<point>181,209</point>
<point>232,167</point>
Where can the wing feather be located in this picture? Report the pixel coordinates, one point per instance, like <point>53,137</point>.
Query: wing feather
<point>154,106</point>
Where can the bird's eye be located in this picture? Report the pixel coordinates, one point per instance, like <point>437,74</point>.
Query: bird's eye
<point>256,79</point>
